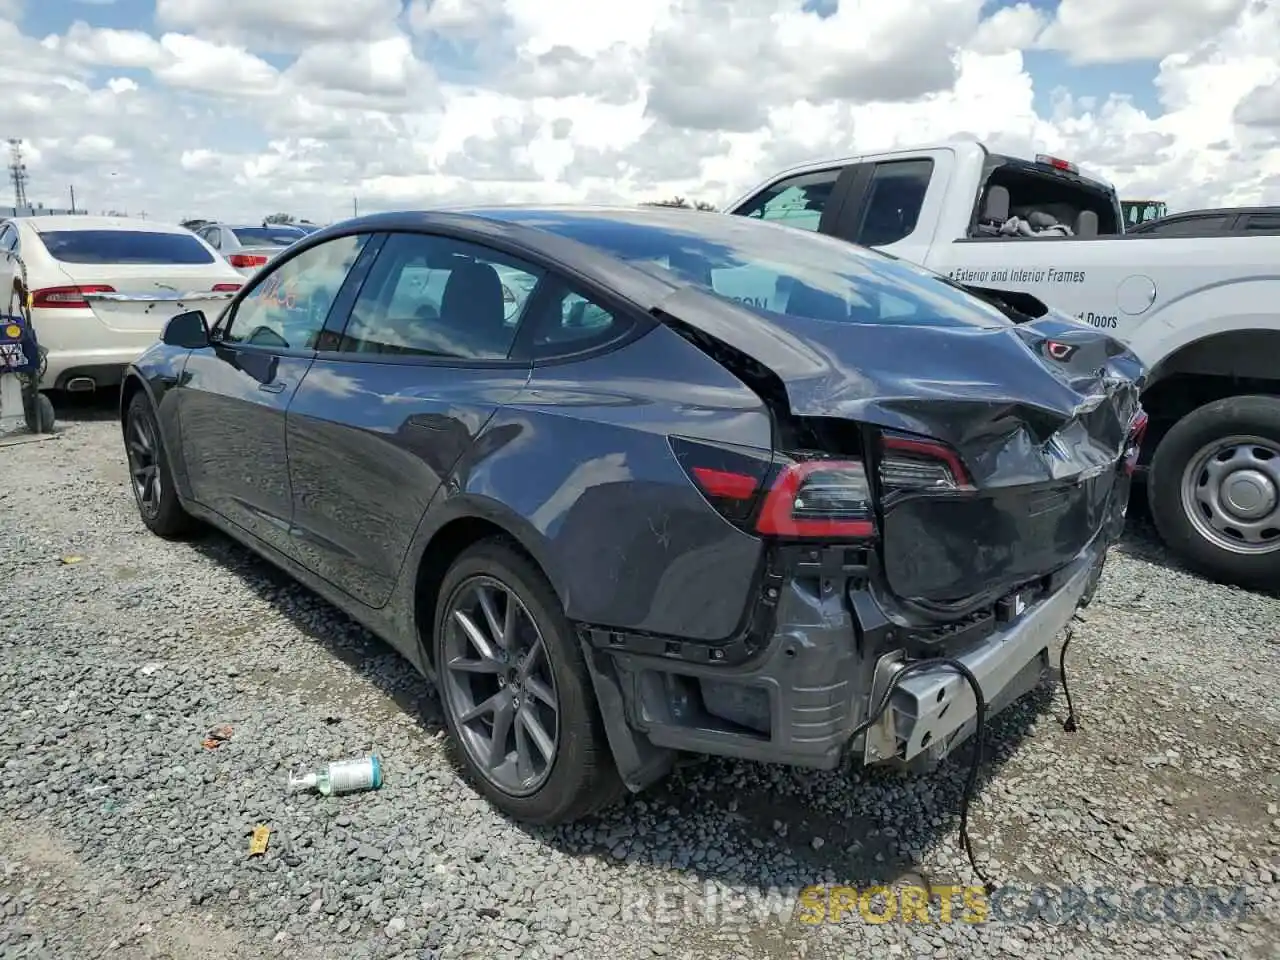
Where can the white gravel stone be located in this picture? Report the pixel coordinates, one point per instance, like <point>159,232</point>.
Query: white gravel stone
<point>121,835</point>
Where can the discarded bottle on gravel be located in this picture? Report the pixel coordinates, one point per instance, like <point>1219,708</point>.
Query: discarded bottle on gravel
<point>342,776</point>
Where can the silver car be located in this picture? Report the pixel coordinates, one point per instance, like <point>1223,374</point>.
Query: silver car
<point>247,247</point>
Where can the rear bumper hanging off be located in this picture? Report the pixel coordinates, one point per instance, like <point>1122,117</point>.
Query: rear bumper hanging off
<point>830,655</point>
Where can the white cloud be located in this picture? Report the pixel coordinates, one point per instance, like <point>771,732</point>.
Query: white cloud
<point>280,25</point>
<point>1009,28</point>
<point>237,108</point>
<point>1100,31</point>
<point>107,48</point>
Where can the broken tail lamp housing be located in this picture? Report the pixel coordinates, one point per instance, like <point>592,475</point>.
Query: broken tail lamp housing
<point>1137,431</point>
<point>785,496</point>
<point>916,464</point>
<point>811,496</point>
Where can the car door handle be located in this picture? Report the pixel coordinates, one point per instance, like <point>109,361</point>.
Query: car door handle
<point>275,386</point>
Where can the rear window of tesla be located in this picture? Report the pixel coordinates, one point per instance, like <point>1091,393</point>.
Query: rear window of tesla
<point>775,269</point>
<point>125,246</point>
<point>266,237</point>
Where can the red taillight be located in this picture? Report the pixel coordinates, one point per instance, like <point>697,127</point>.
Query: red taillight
<point>226,287</point>
<point>725,485</point>
<point>1137,431</point>
<point>730,478</point>
<point>911,463</point>
<point>819,498</point>
<point>246,260</point>
<point>64,297</point>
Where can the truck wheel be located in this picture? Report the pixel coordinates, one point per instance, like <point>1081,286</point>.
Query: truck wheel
<point>1214,490</point>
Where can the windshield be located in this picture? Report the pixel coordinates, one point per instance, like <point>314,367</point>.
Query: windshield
<point>125,246</point>
<point>768,267</point>
<point>267,236</point>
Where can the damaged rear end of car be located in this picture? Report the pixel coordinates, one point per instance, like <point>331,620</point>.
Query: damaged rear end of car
<point>945,474</point>
<point>938,492</point>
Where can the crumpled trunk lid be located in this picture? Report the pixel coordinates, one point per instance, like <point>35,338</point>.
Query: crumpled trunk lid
<point>1039,413</point>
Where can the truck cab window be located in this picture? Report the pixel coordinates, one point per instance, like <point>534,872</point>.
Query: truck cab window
<point>894,198</point>
<point>795,202</point>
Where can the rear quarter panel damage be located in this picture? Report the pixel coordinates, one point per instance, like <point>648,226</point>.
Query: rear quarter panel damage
<point>581,456</point>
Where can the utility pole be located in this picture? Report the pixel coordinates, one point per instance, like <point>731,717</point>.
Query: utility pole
<point>18,174</point>
<point>73,198</point>
<point>355,206</point>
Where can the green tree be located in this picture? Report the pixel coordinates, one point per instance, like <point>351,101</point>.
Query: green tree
<point>279,218</point>
<point>680,202</point>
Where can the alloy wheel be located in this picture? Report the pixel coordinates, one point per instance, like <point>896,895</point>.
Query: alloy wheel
<point>144,464</point>
<point>1231,494</point>
<point>499,687</point>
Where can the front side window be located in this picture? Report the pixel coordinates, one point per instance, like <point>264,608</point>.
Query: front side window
<point>287,307</point>
<point>894,200</point>
<point>433,296</point>
<point>795,202</point>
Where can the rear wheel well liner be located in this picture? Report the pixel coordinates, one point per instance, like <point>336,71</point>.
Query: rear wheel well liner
<point>1225,364</point>
<point>130,385</point>
<point>439,553</point>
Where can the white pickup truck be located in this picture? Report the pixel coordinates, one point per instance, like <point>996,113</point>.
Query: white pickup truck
<point>1202,312</point>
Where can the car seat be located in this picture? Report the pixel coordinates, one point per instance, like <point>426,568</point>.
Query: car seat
<point>1086,224</point>
<point>472,312</point>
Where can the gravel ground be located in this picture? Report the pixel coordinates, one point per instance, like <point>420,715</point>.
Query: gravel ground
<point>121,835</point>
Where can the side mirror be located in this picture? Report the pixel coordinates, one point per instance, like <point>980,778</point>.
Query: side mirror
<point>188,330</point>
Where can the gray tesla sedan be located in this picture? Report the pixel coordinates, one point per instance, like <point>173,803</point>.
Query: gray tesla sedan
<point>626,483</point>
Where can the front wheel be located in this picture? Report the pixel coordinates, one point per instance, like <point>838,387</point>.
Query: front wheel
<point>1214,490</point>
<point>149,473</point>
<point>517,697</point>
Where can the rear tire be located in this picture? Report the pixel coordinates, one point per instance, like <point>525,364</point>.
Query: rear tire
<point>580,777</point>
<point>1201,515</point>
<point>39,413</point>
<point>149,473</point>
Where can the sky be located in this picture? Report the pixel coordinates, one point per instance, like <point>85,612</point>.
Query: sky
<point>234,109</point>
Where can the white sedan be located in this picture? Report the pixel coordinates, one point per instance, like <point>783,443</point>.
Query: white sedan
<point>101,288</point>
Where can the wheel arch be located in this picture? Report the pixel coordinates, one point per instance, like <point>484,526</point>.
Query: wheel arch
<point>458,524</point>
<point>132,383</point>
<point>1217,365</point>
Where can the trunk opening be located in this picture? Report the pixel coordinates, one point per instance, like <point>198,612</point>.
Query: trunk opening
<point>1008,493</point>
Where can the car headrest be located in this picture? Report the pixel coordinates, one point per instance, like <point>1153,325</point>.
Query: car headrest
<point>996,206</point>
<point>1086,224</point>
<point>472,300</point>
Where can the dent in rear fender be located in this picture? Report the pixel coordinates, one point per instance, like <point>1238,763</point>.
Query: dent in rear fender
<point>582,457</point>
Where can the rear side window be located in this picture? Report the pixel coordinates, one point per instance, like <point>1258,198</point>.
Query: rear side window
<point>894,200</point>
<point>266,237</point>
<point>432,296</point>
<point>1262,223</point>
<point>1189,227</point>
<point>125,246</point>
